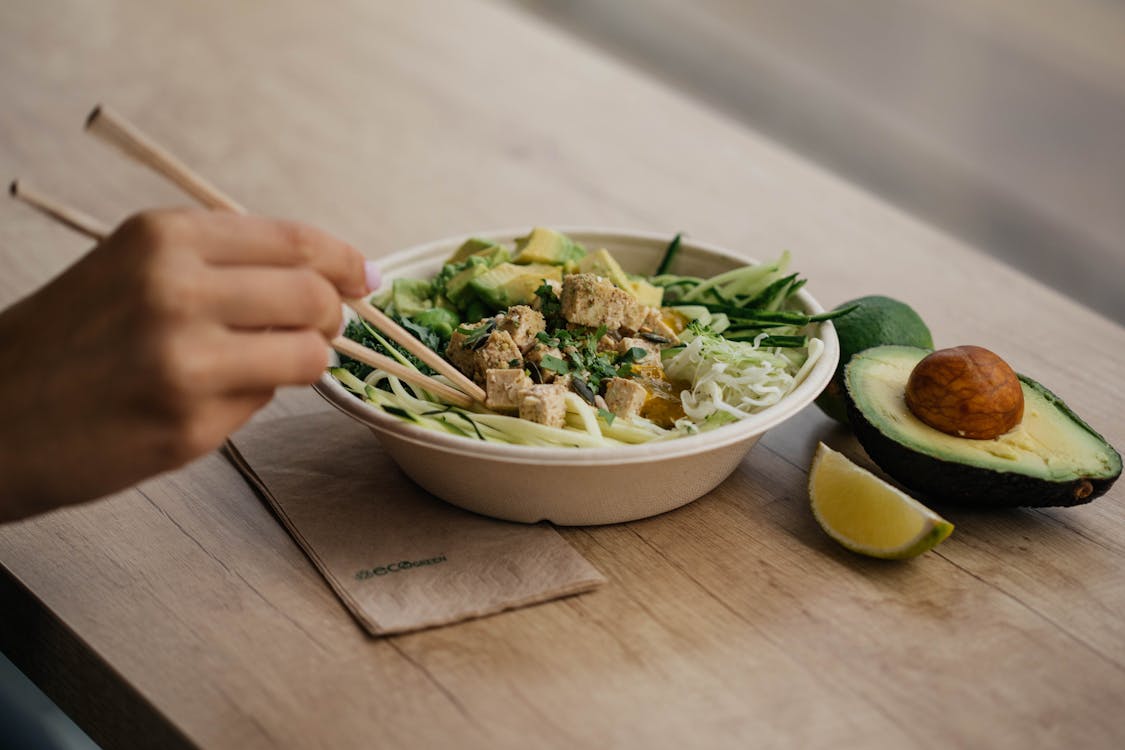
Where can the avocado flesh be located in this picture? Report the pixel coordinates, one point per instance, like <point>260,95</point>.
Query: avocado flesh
<point>479,247</point>
<point>457,288</point>
<point>603,264</point>
<point>547,247</point>
<point>646,294</point>
<point>1051,458</point>
<point>411,296</point>
<point>508,284</point>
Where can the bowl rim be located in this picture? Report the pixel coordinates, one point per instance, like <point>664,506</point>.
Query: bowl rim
<point>335,393</point>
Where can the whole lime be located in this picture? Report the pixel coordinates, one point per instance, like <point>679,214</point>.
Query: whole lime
<point>876,321</point>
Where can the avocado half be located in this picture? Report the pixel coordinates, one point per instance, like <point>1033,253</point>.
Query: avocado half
<point>1051,458</point>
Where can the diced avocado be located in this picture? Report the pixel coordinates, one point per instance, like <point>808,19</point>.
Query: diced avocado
<point>383,297</point>
<point>411,296</point>
<point>508,284</point>
<point>647,294</point>
<point>452,281</point>
<point>494,256</point>
<point>440,300</point>
<point>475,311</point>
<point>438,319</point>
<point>602,263</point>
<point>548,247</point>
<point>1051,457</point>
<point>478,246</point>
<point>457,288</point>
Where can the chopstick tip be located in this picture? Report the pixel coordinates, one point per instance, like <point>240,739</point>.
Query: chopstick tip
<point>14,188</point>
<point>94,114</point>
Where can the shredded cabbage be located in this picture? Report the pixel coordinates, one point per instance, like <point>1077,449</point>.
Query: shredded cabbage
<point>737,378</point>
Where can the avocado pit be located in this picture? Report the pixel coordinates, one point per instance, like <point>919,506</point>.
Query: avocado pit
<point>967,391</point>
<point>1053,458</point>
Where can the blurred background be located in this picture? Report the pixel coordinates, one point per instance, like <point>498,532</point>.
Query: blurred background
<point>1000,122</point>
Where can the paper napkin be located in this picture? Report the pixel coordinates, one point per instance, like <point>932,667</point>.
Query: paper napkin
<point>398,558</point>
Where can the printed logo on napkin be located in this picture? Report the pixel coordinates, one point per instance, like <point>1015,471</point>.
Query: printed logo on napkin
<point>398,567</point>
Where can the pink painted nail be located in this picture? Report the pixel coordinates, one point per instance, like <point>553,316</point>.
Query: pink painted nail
<point>374,278</point>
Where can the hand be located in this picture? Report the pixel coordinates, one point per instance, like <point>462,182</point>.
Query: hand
<point>153,347</point>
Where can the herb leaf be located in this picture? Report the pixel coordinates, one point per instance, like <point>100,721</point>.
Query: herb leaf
<point>554,364</point>
<point>475,338</point>
<point>549,304</point>
<point>427,336</point>
<point>632,354</point>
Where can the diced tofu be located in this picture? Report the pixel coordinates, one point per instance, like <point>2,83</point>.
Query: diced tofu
<point>609,342</point>
<point>522,323</point>
<point>563,381</point>
<point>652,350</point>
<point>632,314</point>
<point>500,353</point>
<point>592,301</point>
<point>625,397</point>
<point>464,359</point>
<point>584,299</point>
<point>534,360</point>
<point>504,389</point>
<point>654,323</point>
<point>545,404</point>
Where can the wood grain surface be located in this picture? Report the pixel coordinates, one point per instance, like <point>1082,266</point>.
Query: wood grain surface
<point>180,614</point>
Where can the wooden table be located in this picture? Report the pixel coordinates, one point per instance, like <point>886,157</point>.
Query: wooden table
<point>180,614</point>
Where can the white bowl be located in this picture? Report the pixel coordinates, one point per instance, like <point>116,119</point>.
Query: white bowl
<point>579,486</point>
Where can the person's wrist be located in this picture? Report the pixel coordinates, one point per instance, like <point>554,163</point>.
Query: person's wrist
<point>17,498</point>
<point>20,494</point>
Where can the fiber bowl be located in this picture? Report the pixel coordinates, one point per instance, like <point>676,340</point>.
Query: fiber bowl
<point>579,486</point>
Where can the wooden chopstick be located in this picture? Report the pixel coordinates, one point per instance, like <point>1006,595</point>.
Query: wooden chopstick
<point>119,132</point>
<point>384,323</point>
<point>116,130</point>
<point>69,217</point>
<point>88,226</point>
<point>360,352</point>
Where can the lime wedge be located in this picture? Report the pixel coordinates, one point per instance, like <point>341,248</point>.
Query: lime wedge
<point>865,514</point>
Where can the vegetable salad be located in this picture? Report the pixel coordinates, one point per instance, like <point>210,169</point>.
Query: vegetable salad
<point>574,351</point>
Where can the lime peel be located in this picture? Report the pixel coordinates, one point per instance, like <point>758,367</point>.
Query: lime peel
<point>867,515</point>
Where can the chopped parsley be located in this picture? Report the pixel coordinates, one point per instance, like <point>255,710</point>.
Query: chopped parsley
<point>549,305</point>
<point>632,354</point>
<point>554,364</point>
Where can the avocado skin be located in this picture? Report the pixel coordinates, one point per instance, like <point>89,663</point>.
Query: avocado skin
<point>952,482</point>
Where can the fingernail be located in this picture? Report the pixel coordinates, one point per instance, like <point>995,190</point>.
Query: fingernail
<point>374,278</point>
<point>343,327</point>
